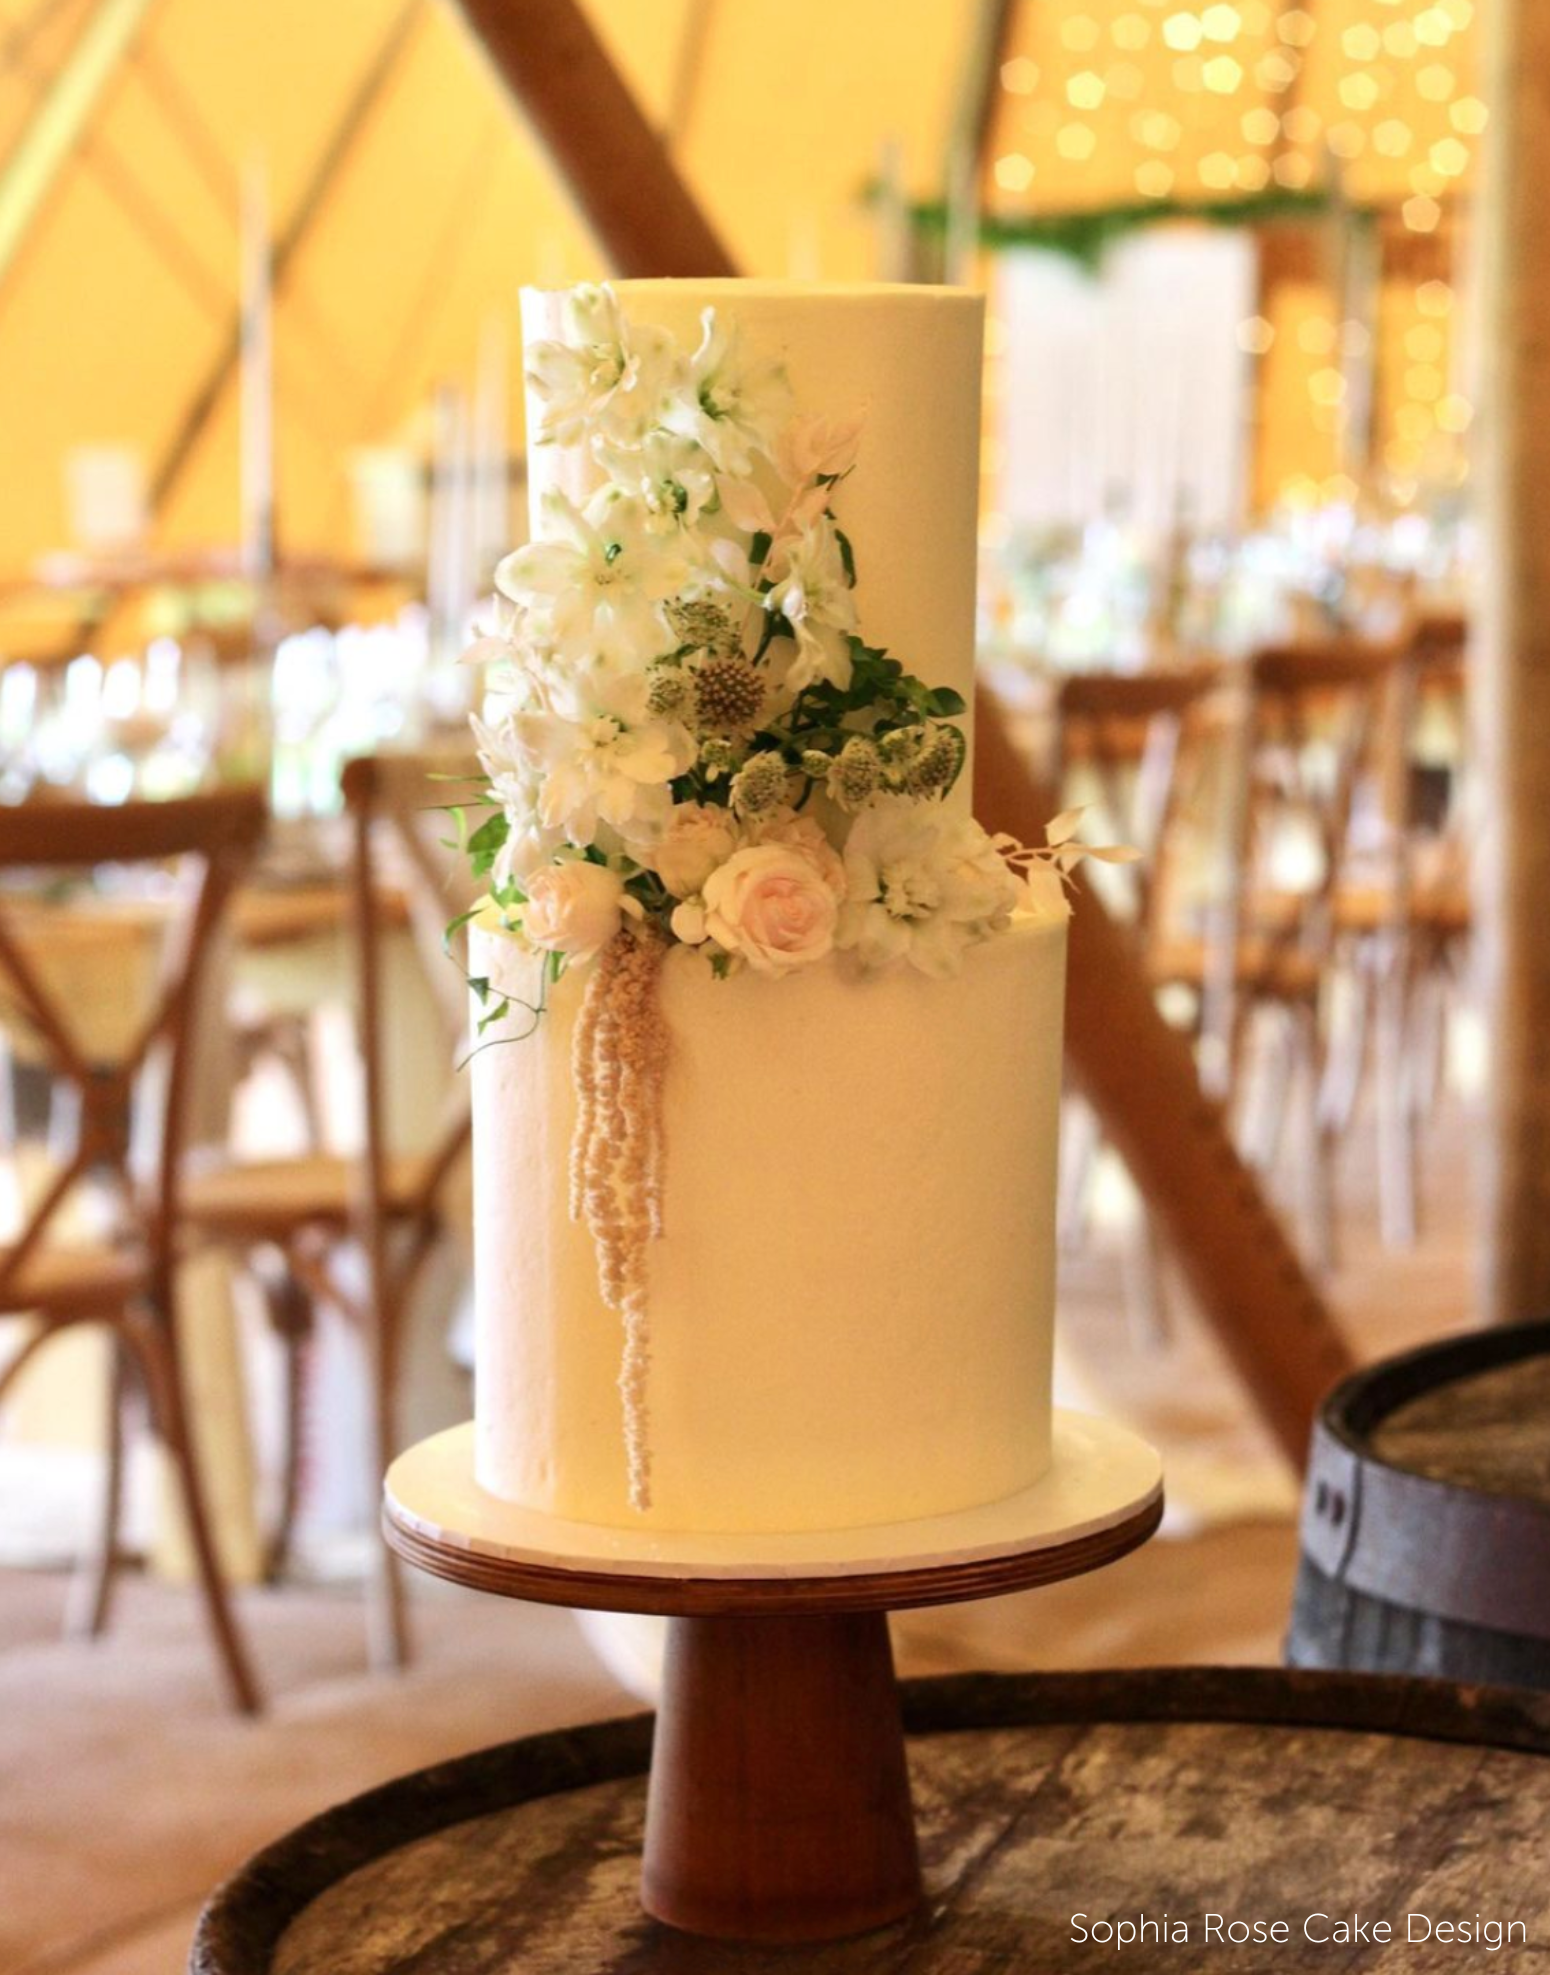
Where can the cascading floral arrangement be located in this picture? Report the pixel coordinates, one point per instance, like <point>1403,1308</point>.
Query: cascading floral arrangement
<point>688,732</point>
<point>688,741</point>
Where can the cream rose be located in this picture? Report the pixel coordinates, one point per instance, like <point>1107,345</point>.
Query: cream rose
<point>574,908</point>
<point>769,905</point>
<point>805,834</point>
<point>698,837</point>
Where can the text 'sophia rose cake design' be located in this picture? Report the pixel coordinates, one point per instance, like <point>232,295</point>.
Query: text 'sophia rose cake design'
<point>765,1136</point>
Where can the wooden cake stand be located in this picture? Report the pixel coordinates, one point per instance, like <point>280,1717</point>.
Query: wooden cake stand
<point>779,1807</point>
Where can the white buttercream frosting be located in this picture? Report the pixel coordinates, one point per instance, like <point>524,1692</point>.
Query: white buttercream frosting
<point>851,1303</point>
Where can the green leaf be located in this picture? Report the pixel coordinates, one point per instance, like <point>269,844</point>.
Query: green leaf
<point>486,843</point>
<point>847,556</point>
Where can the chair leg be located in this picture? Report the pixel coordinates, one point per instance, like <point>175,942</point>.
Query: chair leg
<point>91,1593</point>
<point>1396,1110</point>
<point>1315,1144</point>
<point>154,1339</point>
<point>277,1550</point>
<point>387,1618</point>
<point>292,1315</point>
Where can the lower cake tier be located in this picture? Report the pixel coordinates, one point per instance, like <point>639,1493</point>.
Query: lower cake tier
<point>851,1303</point>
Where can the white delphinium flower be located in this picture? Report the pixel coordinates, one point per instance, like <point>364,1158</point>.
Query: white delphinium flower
<point>816,600</point>
<point>923,885</point>
<point>598,753</point>
<point>672,478</point>
<point>604,375</point>
<point>513,784</point>
<point>731,403</point>
<point>595,582</point>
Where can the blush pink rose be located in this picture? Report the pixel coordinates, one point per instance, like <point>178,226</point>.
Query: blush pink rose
<point>770,905</point>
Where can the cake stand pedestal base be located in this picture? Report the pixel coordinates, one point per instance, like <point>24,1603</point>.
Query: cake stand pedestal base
<point>779,1803</point>
<point>779,1808</point>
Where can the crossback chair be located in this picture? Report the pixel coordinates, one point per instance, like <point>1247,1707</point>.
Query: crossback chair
<point>1303,757</point>
<point>290,1217</point>
<point>1128,737</point>
<point>1402,926</point>
<point>130,1116</point>
<point>1125,744</point>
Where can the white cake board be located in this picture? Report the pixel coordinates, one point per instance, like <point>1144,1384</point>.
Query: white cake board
<point>1101,1475</point>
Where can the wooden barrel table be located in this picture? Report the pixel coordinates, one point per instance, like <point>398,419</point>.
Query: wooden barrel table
<point>1282,1819</point>
<point>1426,1516</point>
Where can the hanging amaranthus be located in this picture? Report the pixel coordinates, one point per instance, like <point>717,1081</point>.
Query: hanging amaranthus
<point>620,1058</point>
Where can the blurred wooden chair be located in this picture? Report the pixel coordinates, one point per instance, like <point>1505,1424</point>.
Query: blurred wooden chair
<point>1123,743</point>
<point>1125,739</point>
<point>1303,755</point>
<point>289,1218</point>
<point>130,1116</point>
<point>1402,924</point>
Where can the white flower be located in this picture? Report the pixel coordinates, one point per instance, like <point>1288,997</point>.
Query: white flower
<point>698,836</point>
<point>815,598</point>
<point>770,905</point>
<point>671,477</point>
<point>923,886</point>
<point>732,404</point>
<point>595,582</point>
<point>516,787</point>
<point>575,908</point>
<point>605,375</point>
<point>598,755</point>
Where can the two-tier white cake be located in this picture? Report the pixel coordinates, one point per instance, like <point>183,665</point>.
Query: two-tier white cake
<point>850,1288</point>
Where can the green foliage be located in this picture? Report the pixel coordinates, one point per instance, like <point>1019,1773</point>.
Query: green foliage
<point>1085,236</point>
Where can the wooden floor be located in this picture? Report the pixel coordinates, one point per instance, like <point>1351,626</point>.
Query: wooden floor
<point>126,1790</point>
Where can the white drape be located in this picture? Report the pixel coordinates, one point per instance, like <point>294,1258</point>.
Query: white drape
<point>1125,389</point>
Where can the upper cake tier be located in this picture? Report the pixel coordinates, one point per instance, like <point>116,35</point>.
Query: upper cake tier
<point>908,358</point>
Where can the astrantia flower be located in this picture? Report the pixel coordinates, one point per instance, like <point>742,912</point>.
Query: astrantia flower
<point>923,885</point>
<point>816,600</point>
<point>729,694</point>
<point>604,376</point>
<point>761,785</point>
<point>598,754</point>
<point>855,774</point>
<point>594,583</point>
<point>733,404</point>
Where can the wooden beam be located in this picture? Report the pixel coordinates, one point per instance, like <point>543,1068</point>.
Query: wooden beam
<point>1514,675</point>
<point>1139,1075</point>
<point>352,120</point>
<point>62,119</point>
<point>688,67</point>
<point>985,45</point>
<point>615,165</point>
